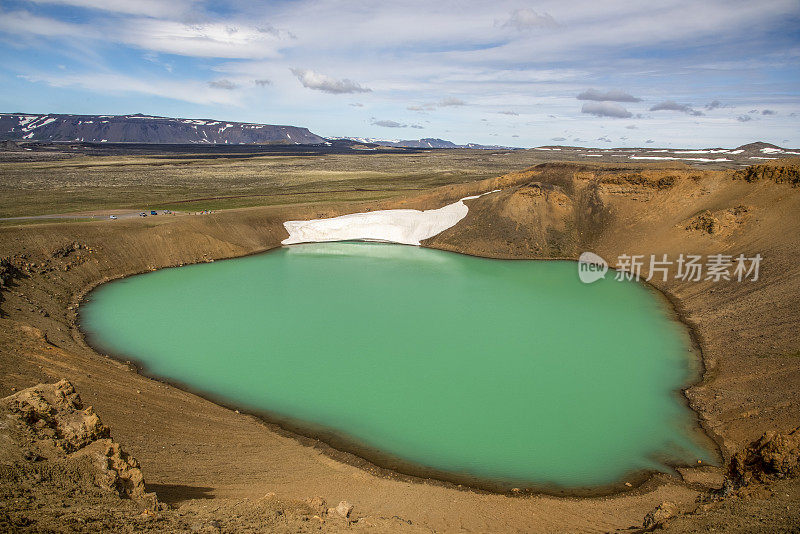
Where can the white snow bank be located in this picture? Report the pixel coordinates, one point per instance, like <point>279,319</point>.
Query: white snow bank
<point>407,227</point>
<point>25,119</point>
<point>709,151</point>
<point>704,160</point>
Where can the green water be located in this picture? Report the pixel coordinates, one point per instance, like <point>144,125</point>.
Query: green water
<point>511,371</point>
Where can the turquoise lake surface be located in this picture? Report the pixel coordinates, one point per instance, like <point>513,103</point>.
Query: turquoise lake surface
<point>507,371</point>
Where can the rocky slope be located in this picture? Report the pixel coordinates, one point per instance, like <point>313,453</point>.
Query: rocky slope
<point>50,441</point>
<point>147,129</point>
<point>60,471</point>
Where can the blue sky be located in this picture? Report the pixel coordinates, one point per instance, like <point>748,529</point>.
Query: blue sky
<point>603,74</point>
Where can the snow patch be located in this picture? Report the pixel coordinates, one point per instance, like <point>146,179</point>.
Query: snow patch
<point>45,122</point>
<point>702,160</point>
<point>717,151</point>
<point>25,119</point>
<point>404,226</point>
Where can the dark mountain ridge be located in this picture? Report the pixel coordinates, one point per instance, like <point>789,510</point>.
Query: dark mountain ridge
<point>147,129</point>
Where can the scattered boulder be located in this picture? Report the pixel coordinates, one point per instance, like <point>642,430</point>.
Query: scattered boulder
<point>343,510</point>
<point>704,222</point>
<point>9,270</point>
<point>316,502</point>
<point>739,210</point>
<point>66,250</point>
<point>772,456</point>
<point>722,221</point>
<point>55,411</point>
<point>59,428</point>
<point>660,515</point>
<point>116,470</point>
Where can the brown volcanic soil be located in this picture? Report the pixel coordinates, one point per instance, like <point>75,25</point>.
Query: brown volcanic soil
<point>214,464</point>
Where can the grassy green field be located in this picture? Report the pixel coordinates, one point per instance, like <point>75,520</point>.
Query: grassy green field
<point>86,183</point>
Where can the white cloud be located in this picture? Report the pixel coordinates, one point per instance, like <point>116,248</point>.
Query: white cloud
<point>195,92</point>
<point>671,105</point>
<point>528,19</point>
<point>493,55</point>
<point>216,40</point>
<point>27,24</point>
<point>327,84</point>
<point>606,109</point>
<point>388,124</point>
<point>150,8</point>
<point>223,84</point>
<point>450,102</point>
<point>608,96</point>
<point>211,40</point>
<point>590,30</point>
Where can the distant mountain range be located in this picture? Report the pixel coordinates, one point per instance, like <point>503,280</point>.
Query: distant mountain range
<point>428,142</point>
<point>167,130</point>
<point>147,129</point>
